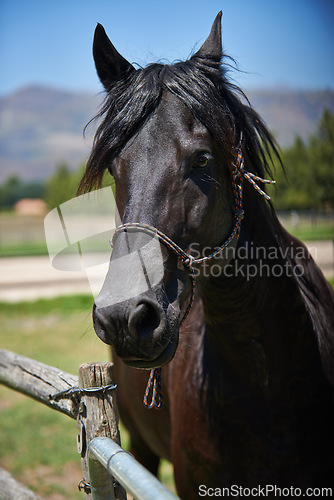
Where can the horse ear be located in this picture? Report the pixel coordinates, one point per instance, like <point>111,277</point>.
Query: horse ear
<point>212,47</point>
<point>110,65</point>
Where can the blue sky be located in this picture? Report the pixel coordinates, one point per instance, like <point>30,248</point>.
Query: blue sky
<point>276,42</point>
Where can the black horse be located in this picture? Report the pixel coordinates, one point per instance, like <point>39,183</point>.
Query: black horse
<point>248,375</point>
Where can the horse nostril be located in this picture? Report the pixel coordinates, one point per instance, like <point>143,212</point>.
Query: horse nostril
<point>147,319</point>
<point>137,314</point>
<point>103,328</point>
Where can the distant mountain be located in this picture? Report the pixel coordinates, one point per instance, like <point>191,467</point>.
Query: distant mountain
<point>41,127</point>
<point>289,113</point>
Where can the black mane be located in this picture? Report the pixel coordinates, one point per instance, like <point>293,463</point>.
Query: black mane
<point>203,86</point>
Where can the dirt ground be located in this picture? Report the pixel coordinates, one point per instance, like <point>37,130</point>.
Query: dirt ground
<point>29,278</point>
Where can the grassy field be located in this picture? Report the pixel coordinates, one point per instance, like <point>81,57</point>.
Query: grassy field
<point>313,234</point>
<point>38,445</point>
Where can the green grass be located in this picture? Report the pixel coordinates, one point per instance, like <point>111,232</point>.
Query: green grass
<point>315,234</point>
<point>63,305</point>
<point>38,445</point>
<point>40,248</point>
<point>23,250</point>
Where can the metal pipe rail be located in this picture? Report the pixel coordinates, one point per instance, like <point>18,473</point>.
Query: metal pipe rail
<point>106,455</point>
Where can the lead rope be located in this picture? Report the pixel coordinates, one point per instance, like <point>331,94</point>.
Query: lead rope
<point>154,381</point>
<point>154,387</point>
<point>238,174</point>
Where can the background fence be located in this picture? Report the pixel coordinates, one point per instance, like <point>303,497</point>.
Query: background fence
<point>27,232</point>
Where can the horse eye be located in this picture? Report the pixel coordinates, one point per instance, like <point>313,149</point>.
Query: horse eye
<point>202,160</point>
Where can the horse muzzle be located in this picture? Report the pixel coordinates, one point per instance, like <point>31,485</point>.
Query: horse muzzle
<point>137,330</point>
<point>138,308</point>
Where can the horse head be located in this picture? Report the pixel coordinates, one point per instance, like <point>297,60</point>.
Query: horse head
<point>168,138</point>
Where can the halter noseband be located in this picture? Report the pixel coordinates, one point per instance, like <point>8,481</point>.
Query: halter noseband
<point>238,173</point>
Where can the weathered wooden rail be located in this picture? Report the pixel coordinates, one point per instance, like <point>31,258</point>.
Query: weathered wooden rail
<point>38,381</point>
<point>90,399</point>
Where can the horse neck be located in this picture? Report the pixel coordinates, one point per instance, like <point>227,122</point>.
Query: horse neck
<point>257,312</point>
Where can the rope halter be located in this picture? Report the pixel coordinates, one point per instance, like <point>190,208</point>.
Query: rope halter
<point>238,174</point>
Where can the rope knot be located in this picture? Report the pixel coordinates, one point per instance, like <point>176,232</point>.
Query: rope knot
<point>237,169</point>
<point>188,261</point>
<point>239,214</point>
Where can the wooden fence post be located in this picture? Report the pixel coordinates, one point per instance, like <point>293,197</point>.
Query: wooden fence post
<point>97,416</point>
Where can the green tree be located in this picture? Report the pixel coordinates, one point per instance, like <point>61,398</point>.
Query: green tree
<point>321,161</point>
<point>62,185</point>
<point>14,189</point>
<point>8,191</point>
<point>307,181</point>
